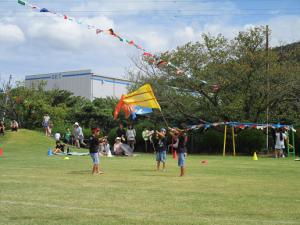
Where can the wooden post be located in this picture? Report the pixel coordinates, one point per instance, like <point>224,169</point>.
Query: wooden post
<point>233,141</point>
<point>225,135</point>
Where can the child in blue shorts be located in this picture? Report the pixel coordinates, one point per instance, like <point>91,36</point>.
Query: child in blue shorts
<point>182,137</point>
<point>94,150</point>
<point>160,143</point>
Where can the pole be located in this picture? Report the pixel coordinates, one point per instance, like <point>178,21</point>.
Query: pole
<point>293,141</point>
<point>268,83</point>
<point>233,141</point>
<point>224,145</point>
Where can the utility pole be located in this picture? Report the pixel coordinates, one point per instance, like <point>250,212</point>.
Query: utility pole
<point>268,82</point>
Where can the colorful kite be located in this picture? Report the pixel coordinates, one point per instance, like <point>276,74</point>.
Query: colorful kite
<point>143,97</point>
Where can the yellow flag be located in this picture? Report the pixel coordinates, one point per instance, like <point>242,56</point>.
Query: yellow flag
<point>143,97</point>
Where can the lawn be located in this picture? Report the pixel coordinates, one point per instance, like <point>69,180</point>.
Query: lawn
<point>40,189</point>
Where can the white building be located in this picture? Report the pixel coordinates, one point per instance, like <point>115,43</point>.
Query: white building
<point>81,83</point>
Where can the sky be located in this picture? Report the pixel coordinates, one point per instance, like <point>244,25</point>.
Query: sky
<point>32,42</point>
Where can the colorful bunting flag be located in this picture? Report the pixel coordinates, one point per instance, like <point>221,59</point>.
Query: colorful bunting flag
<point>44,10</point>
<point>155,59</point>
<point>21,2</point>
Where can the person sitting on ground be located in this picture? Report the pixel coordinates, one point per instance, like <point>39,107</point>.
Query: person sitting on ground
<point>59,148</point>
<point>14,125</point>
<point>117,147</point>
<point>105,147</point>
<point>2,128</point>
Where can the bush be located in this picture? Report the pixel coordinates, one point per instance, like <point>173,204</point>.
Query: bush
<point>212,141</point>
<point>297,140</point>
<point>250,140</point>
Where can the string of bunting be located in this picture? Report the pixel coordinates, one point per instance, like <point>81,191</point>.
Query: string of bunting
<point>258,126</point>
<point>156,60</point>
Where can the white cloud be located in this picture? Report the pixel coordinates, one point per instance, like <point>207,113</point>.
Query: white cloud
<point>11,34</point>
<point>188,34</point>
<point>40,43</point>
<point>284,29</point>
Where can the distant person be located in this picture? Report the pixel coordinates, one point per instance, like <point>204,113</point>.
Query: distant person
<point>2,128</point>
<point>105,147</point>
<point>50,127</point>
<point>130,136</point>
<point>67,136</point>
<point>57,136</point>
<point>146,134</point>
<point>117,147</point>
<point>45,124</point>
<point>78,135</point>
<point>14,126</point>
<point>94,150</point>
<point>279,145</point>
<point>160,144</point>
<point>121,133</point>
<point>59,148</point>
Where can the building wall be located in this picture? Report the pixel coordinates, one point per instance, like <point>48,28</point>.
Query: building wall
<point>82,83</point>
<point>108,87</point>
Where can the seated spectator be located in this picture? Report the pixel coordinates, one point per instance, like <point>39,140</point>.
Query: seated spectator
<point>117,147</point>
<point>14,126</point>
<point>2,128</point>
<point>59,147</point>
<point>105,147</point>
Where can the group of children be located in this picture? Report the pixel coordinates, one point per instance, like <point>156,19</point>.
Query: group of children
<point>159,141</point>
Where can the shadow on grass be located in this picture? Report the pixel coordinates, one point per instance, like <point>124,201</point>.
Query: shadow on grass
<point>79,172</point>
<point>143,170</point>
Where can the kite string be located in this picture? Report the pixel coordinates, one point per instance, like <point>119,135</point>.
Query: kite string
<point>164,119</point>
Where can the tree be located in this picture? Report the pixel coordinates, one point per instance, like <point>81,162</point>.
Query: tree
<point>224,80</point>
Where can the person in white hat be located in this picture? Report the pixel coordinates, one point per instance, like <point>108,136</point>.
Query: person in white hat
<point>117,146</point>
<point>78,135</point>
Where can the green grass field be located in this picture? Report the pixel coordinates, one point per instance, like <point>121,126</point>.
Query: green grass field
<point>40,189</point>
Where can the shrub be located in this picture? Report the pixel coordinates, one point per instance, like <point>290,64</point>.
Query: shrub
<point>250,140</point>
<point>211,141</point>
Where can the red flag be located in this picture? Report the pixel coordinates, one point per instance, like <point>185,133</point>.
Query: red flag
<point>161,63</point>
<point>147,54</point>
<point>98,31</point>
<point>111,32</point>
